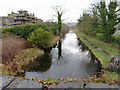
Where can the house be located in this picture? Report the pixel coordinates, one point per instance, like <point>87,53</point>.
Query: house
<point>22,17</point>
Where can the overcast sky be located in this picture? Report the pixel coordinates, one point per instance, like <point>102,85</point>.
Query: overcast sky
<point>43,8</point>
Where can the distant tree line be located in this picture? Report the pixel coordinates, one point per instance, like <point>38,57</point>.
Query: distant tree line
<point>100,20</point>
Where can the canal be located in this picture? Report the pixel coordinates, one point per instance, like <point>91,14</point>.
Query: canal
<point>69,56</point>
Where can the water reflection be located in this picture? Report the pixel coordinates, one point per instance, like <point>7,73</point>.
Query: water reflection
<point>59,49</point>
<point>83,47</point>
<point>69,56</point>
<point>41,64</point>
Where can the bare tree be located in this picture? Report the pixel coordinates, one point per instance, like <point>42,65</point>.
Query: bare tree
<point>60,11</point>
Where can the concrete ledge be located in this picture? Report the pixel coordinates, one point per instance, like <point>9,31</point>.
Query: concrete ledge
<point>63,84</point>
<point>21,83</point>
<point>100,85</point>
<point>5,80</point>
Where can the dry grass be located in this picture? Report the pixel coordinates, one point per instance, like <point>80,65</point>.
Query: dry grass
<point>54,40</point>
<point>17,53</point>
<point>11,47</point>
<point>17,65</point>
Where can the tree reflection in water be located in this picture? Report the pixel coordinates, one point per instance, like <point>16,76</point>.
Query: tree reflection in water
<point>59,49</point>
<point>42,63</point>
<point>83,46</point>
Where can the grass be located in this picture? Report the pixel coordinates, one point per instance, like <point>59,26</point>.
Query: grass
<point>11,46</point>
<point>103,58</point>
<point>17,53</point>
<point>106,47</point>
<point>21,60</point>
<point>113,75</point>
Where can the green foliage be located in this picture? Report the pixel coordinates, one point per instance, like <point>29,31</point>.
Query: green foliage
<point>5,29</point>
<point>59,21</point>
<point>112,18</point>
<point>114,38</point>
<point>100,19</point>
<point>41,38</point>
<point>102,16</point>
<point>85,23</point>
<point>99,36</point>
<point>25,30</point>
<point>108,19</point>
<point>59,10</point>
<point>89,22</point>
<point>95,28</point>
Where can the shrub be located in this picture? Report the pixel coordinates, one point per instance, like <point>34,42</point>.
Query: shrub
<point>25,30</point>
<point>116,39</point>
<point>99,36</point>
<point>41,38</point>
<point>21,61</point>
<point>11,47</point>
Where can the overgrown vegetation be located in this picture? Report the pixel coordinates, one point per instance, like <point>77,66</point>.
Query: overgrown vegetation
<point>24,31</point>
<point>21,43</point>
<point>98,26</point>
<point>111,77</point>
<point>18,65</point>
<point>38,34</point>
<point>11,46</point>
<point>102,20</point>
<point>104,59</point>
<point>109,48</point>
<point>40,38</point>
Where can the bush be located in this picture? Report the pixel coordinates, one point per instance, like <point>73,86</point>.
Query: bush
<point>41,38</point>
<point>21,61</point>
<point>11,47</point>
<point>99,36</point>
<point>116,39</point>
<point>24,31</point>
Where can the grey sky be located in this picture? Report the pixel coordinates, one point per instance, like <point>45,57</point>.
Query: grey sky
<point>43,8</point>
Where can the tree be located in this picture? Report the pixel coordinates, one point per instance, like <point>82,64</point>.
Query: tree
<point>95,28</point>
<point>60,12</point>
<point>40,38</point>
<point>112,18</point>
<point>100,19</point>
<point>108,19</point>
<point>103,18</point>
<point>84,23</point>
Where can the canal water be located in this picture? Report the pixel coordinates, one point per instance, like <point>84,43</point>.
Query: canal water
<point>69,56</point>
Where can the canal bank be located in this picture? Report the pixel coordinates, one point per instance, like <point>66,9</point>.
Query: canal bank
<point>14,83</point>
<point>70,56</point>
<point>21,60</point>
<point>103,56</point>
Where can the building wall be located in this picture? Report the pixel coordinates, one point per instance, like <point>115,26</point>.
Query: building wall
<point>22,17</point>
